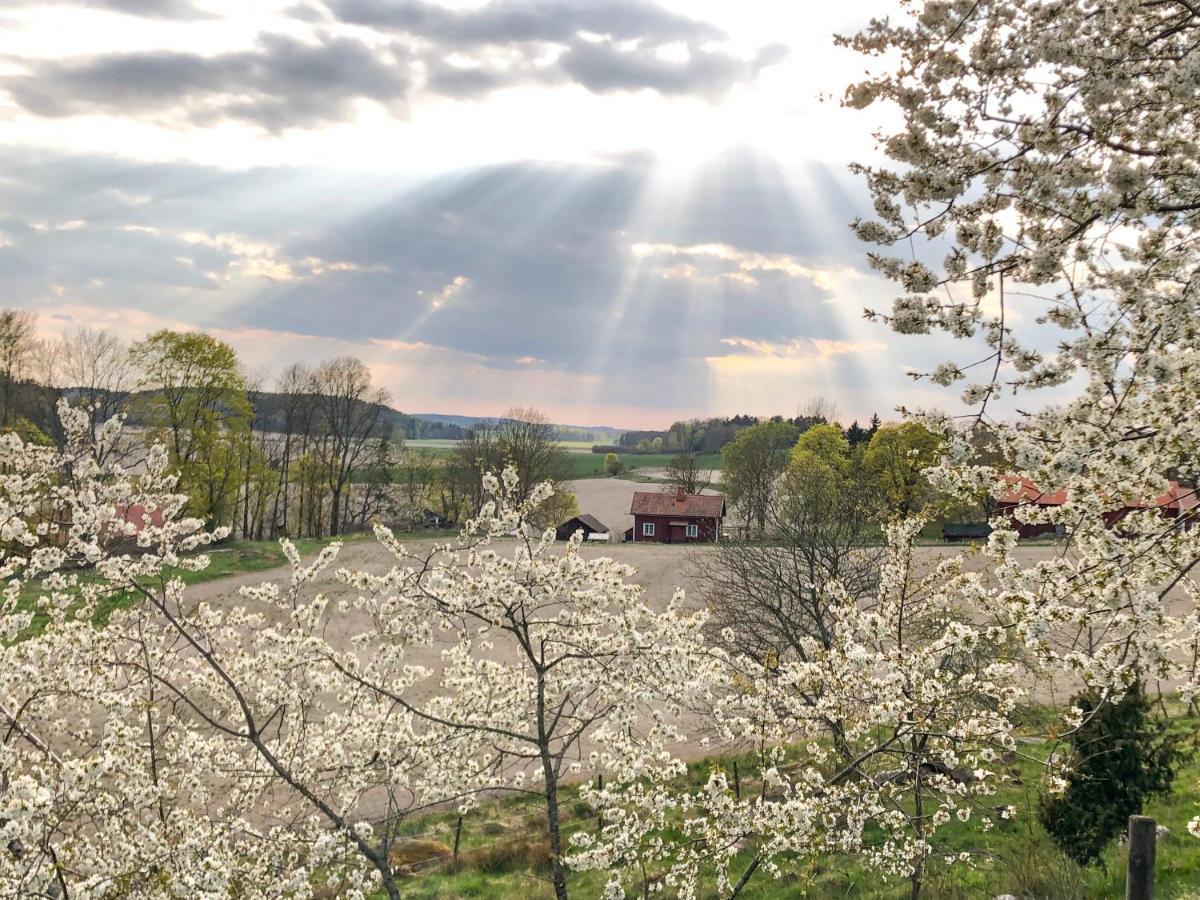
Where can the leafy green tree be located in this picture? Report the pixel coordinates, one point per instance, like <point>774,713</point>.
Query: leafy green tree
<point>856,434</point>
<point>1122,756</point>
<point>896,458</point>
<point>752,464</point>
<point>18,342</point>
<point>613,464</point>
<point>555,509</point>
<point>769,599</point>
<point>196,398</point>
<point>822,445</point>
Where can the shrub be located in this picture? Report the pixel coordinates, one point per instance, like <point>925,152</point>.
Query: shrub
<point>613,464</point>
<point>1121,757</point>
<point>502,857</point>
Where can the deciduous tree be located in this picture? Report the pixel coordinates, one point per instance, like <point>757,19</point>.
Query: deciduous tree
<point>751,465</point>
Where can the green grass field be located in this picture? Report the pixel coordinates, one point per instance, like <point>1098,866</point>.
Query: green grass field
<point>503,851</point>
<point>582,462</point>
<point>592,464</point>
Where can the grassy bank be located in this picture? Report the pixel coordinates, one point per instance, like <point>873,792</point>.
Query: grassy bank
<point>503,851</point>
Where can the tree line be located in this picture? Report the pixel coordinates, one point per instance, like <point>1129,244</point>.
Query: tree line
<point>711,435</point>
<point>320,454</point>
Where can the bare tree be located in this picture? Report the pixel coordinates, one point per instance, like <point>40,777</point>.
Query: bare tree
<point>818,410</point>
<point>350,410</point>
<point>299,406</point>
<point>685,473</point>
<point>528,441</point>
<point>474,455</point>
<point>525,440</point>
<point>416,477</point>
<point>93,367</point>
<point>768,594</point>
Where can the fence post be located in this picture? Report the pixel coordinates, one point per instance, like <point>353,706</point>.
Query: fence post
<point>599,812</point>
<point>457,836</point>
<point>1139,876</point>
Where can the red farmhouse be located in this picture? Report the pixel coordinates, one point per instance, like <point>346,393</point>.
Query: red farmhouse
<point>1177,502</point>
<point>677,518</point>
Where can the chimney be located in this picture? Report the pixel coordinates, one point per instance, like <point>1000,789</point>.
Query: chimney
<point>680,495</point>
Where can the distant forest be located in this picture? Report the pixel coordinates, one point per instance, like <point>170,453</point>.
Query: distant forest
<point>713,434</point>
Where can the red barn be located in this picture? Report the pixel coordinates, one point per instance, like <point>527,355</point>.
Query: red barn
<point>1178,502</point>
<point>676,517</point>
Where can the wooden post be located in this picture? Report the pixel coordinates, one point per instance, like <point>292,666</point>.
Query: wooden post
<point>1139,877</point>
<point>737,782</point>
<point>457,837</point>
<point>599,812</point>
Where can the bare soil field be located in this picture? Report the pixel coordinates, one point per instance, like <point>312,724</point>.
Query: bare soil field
<point>659,569</point>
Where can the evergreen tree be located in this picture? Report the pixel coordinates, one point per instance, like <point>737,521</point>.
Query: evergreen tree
<point>1122,757</point>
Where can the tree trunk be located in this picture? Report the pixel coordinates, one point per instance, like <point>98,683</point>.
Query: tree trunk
<point>558,872</point>
<point>334,510</point>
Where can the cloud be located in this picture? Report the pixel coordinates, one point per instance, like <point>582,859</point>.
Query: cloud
<point>602,45</point>
<point>150,9</point>
<point>795,351</point>
<point>603,67</point>
<point>557,264</point>
<point>392,54</point>
<point>281,83</point>
<point>508,22</point>
<point>563,271</point>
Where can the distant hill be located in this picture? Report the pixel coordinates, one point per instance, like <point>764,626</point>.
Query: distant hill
<point>270,410</point>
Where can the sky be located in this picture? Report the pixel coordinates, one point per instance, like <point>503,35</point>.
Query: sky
<point>621,212</point>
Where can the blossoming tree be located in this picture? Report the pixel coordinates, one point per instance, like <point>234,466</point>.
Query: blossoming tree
<point>158,746</point>
<point>551,663</point>
<point>1040,204</point>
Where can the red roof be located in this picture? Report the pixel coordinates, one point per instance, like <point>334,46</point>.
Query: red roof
<point>136,514</point>
<point>691,506</point>
<point>1025,491</point>
<point>1178,499</point>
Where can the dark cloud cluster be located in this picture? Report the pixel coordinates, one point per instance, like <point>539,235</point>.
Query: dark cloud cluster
<point>603,68</point>
<point>605,45</point>
<point>283,82</point>
<point>508,22</point>
<point>149,9</point>
<point>548,256</point>
<point>544,254</point>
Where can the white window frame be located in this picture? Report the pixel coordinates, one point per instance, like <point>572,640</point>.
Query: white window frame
<point>693,530</point>
<point>647,529</point>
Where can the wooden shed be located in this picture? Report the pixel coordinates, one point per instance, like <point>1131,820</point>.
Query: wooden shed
<point>588,524</point>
